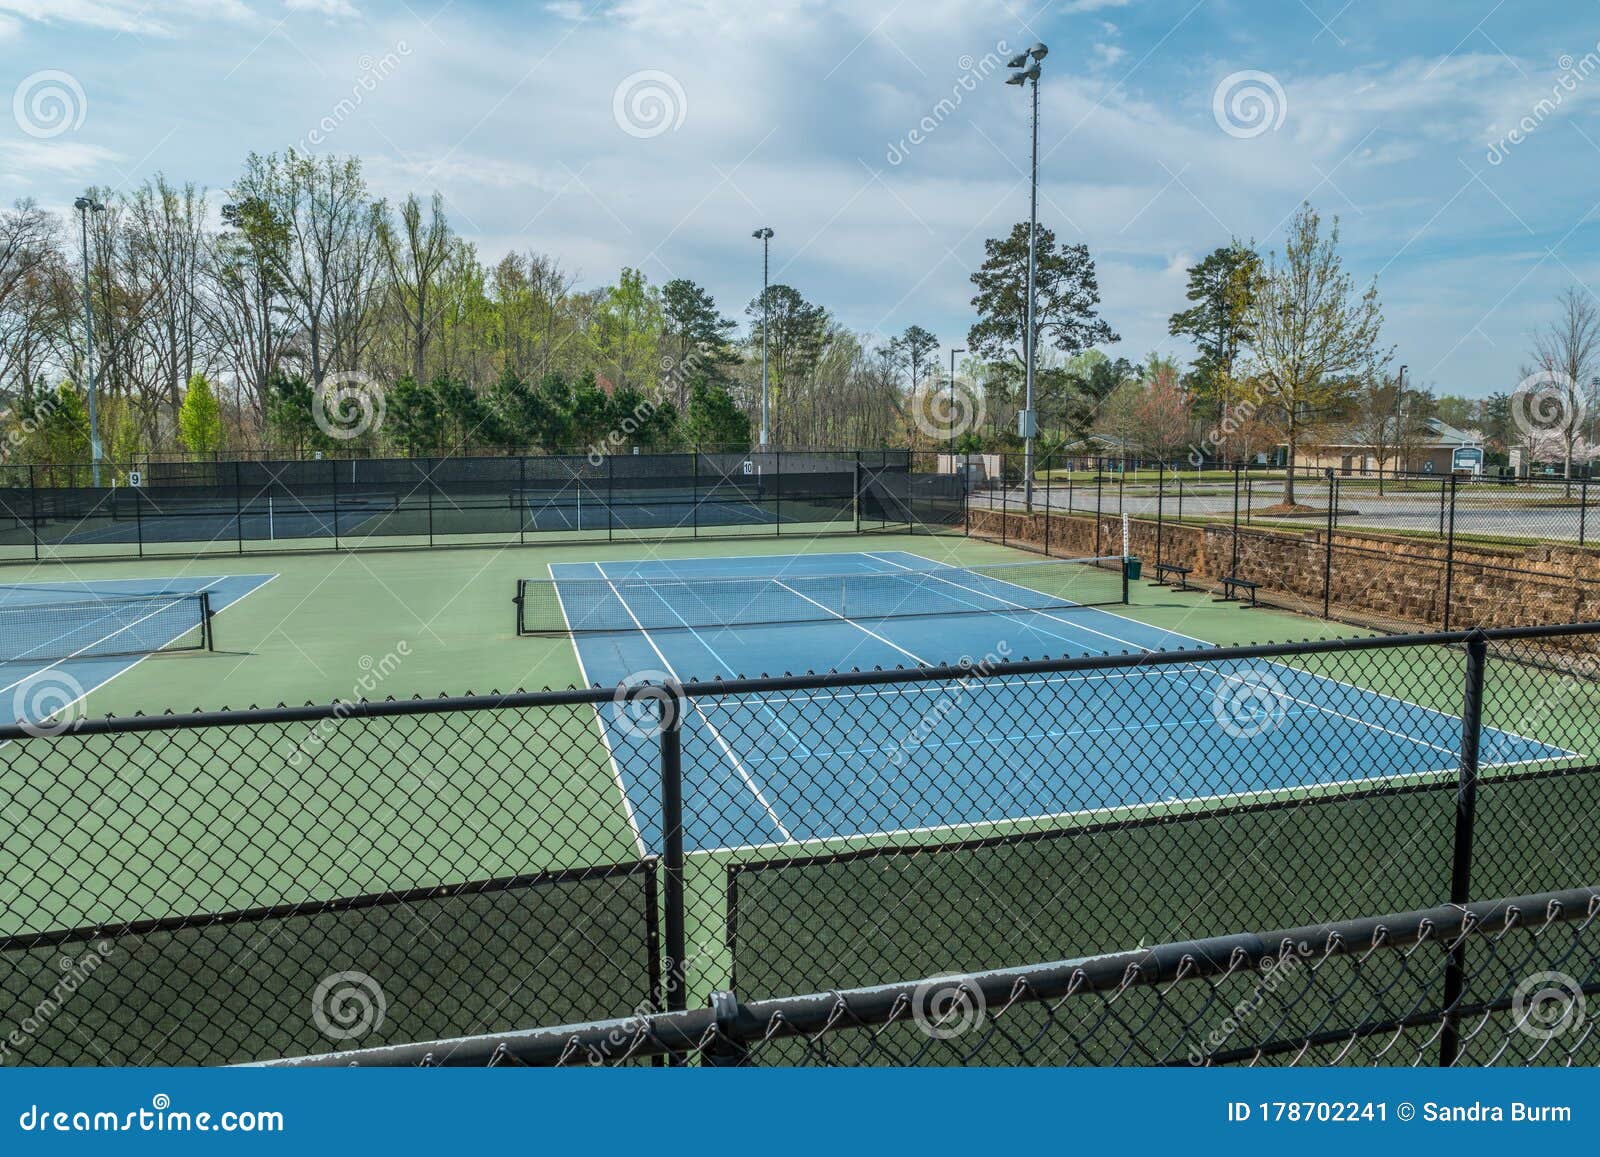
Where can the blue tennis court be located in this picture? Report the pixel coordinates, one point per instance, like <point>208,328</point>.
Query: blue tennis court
<point>64,639</point>
<point>806,766</point>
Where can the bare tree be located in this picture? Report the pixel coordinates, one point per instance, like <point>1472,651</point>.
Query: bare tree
<point>413,256</point>
<point>1567,352</point>
<point>1311,332</point>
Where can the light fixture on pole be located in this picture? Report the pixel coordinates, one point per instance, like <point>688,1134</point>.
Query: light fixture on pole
<point>84,206</point>
<point>1027,421</point>
<point>953,354</point>
<point>764,235</point>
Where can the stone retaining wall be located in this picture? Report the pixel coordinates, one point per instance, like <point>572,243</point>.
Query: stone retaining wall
<point>1374,576</point>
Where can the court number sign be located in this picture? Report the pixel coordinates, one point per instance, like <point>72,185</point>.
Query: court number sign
<point>135,478</point>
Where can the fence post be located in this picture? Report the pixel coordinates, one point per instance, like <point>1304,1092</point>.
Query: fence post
<point>856,488</point>
<point>1466,822</point>
<point>1047,506</point>
<point>777,494</point>
<point>238,505</point>
<point>1233,567</point>
<point>672,706</point>
<point>1161,486</point>
<point>1583,507</point>
<point>1449,551</point>
<point>428,487</point>
<point>1327,545</point>
<point>33,510</point>
<point>1004,497</point>
<point>521,502</point>
<point>1099,493</point>
<point>333,472</point>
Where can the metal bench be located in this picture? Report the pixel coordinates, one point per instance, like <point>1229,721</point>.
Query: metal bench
<point>1231,587</point>
<point>1164,572</point>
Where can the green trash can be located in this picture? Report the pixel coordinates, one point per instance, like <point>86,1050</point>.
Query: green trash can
<point>1133,567</point>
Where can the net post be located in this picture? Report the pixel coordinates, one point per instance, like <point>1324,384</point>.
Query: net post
<point>207,637</point>
<point>672,705</point>
<point>1466,823</point>
<point>519,600</point>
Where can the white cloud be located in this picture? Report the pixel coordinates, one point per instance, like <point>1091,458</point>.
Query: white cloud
<point>141,17</point>
<point>333,9</point>
<point>63,157</point>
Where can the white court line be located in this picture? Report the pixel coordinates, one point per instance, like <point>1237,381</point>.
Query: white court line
<point>918,659</point>
<point>738,766</point>
<point>605,738</point>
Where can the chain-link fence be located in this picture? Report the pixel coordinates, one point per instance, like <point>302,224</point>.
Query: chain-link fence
<point>243,885</point>
<point>1506,982</point>
<point>158,508</point>
<point>1392,551</point>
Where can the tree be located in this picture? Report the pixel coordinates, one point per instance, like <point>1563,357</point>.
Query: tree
<point>714,420</point>
<point>1567,353</point>
<point>1221,287</point>
<point>290,415</point>
<point>1090,379</point>
<point>1067,295</point>
<point>200,418</point>
<point>57,425</point>
<point>796,332</point>
<point>626,331</point>
<point>463,421</point>
<point>695,337</point>
<point>414,416</point>
<point>1164,411</point>
<point>917,347</point>
<point>413,256</point>
<point>1312,334</point>
<point>1117,424</point>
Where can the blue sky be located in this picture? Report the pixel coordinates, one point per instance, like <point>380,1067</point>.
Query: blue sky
<point>798,114</point>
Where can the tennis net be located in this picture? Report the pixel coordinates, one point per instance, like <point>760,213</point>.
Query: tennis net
<point>112,625</point>
<point>559,606</point>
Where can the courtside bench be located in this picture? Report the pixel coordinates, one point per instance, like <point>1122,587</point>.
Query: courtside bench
<point>1165,571</point>
<point>1232,585</point>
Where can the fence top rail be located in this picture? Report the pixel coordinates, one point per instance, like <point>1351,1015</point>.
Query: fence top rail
<point>710,689</point>
<point>729,1022</point>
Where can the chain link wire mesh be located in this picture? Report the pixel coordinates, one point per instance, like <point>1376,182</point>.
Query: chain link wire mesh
<point>244,885</point>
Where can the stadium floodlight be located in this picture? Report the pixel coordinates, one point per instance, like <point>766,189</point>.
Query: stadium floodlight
<point>1029,420</point>
<point>764,235</point>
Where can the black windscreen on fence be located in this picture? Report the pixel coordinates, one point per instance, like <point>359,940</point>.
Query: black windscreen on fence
<point>164,507</point>
<point>420,965</point>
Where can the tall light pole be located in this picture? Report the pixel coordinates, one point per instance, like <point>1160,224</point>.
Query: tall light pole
<point>953,353</point>
<point>764,235</point>
<point>84,205</point>
<point>1028,420</point>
